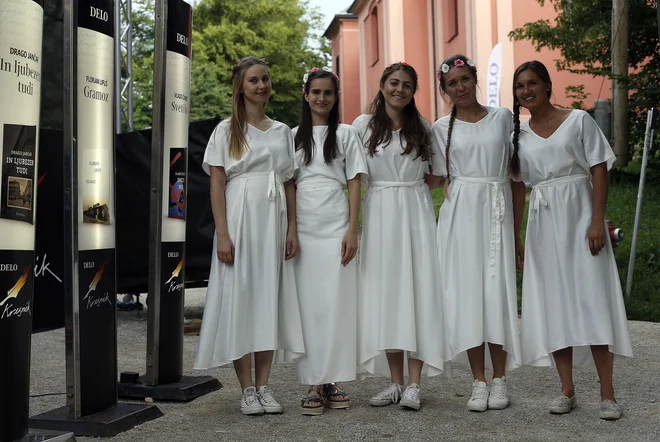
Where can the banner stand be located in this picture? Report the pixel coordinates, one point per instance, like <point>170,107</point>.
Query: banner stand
<point>167,233</point>
<point>89,234</point>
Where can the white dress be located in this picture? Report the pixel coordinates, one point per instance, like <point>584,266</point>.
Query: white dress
<point>326,289</point>
<point>252,305</point>
<point>570,298</point>
<point>400,304</point>
<point>476,240</point>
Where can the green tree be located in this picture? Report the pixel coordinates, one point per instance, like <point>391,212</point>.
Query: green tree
<point>582,33</point>
<point>286,32</point>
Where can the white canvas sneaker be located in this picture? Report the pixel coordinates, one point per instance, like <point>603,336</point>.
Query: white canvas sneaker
<point>411,398</point>
<point>250,402</point>
<point>391,395</point>
<point>498,398</point>
<point>562,405</point>
<point>267,401</point>
<point>479,399</point>
<point>610,410</point>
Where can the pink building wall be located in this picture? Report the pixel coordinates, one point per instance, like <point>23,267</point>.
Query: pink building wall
<point>346,64</point>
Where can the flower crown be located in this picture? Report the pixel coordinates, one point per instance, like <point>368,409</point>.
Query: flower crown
<point>458,63</point>
<point>313,70</point>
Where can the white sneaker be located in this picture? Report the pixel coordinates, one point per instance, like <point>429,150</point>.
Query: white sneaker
<point>267,401</point>
<point>498,399</point>
<point>562,405</point>
<point>250,402</point>
<point>410,398</point>
<point>610,410</point>
<point>391,395</point>
<point>479,399</point>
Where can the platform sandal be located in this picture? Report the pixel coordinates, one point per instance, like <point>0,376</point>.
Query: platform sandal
<point>314,396</point>
<point>332,393</point>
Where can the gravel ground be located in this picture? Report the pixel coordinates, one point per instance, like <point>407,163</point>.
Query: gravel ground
<point>444,416</point>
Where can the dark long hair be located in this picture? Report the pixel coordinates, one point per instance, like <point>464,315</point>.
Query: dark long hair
<point>539,69</point>
<point>305,135</point>
<point>417,136</point>
<point>449,61</point>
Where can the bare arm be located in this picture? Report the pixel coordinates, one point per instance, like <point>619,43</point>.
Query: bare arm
<point>596,231</point>
<point>518,190</point>
<point>292,232</point>
<point>349,244</point>
<point>225,248</point>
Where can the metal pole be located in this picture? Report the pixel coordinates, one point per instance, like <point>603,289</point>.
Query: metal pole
<point>620,10</point>
<point>129,63</point>
<point>118,122</point>
<point>71,288</point>
<point>648,142</point>
<point>156,196</point>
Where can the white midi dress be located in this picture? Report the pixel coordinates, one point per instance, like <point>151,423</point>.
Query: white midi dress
<point>476,240</point>
<point>400,304</point>
<point>326,289</point>
<point>570,298</point>
<point>252,305</point>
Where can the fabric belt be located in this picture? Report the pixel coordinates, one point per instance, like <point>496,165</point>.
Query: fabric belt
<point>275,185</point>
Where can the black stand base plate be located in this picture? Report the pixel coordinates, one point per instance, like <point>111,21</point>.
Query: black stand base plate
<point>108,423</point>
<point>47,436</point>
<point>187,389</point>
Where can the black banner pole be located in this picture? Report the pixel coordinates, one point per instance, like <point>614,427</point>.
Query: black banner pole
<point>21,32</point>
<point>89,235</point>
<point>167,234</point>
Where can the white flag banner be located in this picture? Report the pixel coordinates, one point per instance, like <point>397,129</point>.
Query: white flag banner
<point>494,75</point>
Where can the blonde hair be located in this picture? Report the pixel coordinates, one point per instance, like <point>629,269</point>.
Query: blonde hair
<point>237,124</point>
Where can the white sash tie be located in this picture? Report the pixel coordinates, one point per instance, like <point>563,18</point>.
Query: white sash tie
<point>275,185</point>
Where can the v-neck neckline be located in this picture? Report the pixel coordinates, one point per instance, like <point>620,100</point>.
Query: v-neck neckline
<point>263,131</point>
<point>570,114</point>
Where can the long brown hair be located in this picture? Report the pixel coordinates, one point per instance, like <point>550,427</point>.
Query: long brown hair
<point>539,69</point>
<point>237,124</point>
<point>417,136</point>
<point>450,61</point>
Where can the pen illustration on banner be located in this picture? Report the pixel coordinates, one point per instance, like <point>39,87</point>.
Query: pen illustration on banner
<point>13,292</point>
<point>96,279</point>
<point>175,273</point>
<point>177,183</point>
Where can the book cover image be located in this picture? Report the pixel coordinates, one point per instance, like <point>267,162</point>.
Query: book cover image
<point>18,167</point>
<point>177,184</point>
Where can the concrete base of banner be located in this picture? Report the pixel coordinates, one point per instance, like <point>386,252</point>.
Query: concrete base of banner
<point>108,423</point>
<point>47,436</point>
<point>187,389</point>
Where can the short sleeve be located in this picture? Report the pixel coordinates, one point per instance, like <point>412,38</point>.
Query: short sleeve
<point>296,163</point>
<point>217,148</point>
<point>354,155</point>
<point>361,126</point>
<point>290,168</point>
<point>597,149</point>
<point>439,135</point>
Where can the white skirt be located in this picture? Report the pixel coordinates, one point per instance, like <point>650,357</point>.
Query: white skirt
<point>400,305</point>
<point>570,298</point>
<point>326,289</point>
<point>252,305</point>
<point>477,256</point>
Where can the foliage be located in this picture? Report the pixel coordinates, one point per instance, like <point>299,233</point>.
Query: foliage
<point>584,40</point>
<point>283,31</point>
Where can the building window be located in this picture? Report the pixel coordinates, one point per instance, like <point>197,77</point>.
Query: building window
<point>373,34</point>
<point>336,66</point>
<point>450,19</point>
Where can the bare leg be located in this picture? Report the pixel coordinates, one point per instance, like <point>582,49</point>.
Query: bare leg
<point>395,362</point>
<point>605,367</point>
<point>477,362</point>
<point>564,361</point>
<point>263,360</point>
<point>414,371</point>
<point>498,357</point>
<point>243,368</point>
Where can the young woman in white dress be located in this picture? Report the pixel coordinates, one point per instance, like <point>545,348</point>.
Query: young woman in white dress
<point>400,307</point>
<point>328,158</point>
<point>475,234</point>
<point>251,302</point>
<point>572,306</point>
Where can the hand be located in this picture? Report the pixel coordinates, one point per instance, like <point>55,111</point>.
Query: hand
<point>433,181</point>
<point>520,254</point>
<point>225,249</point>
<point>292,246</point>
<point>349,247</point>
<point>596,237</point>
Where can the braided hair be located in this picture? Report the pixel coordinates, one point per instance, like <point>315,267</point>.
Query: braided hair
<point>539,69</point>
<point>450,62</point>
